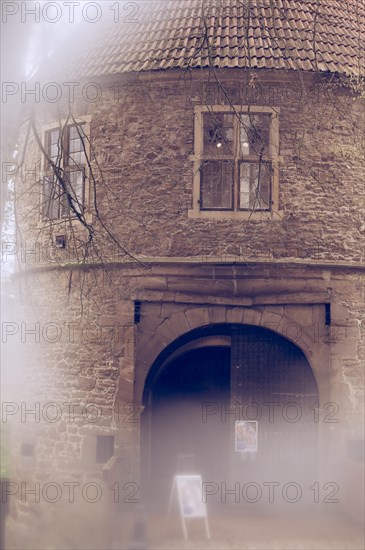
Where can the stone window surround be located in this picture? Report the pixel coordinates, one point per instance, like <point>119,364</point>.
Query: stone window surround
<point>274,213</point>
<point>86,121</point>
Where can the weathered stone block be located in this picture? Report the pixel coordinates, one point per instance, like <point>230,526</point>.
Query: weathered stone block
<point>198,317</point>
<point>339,312</point>
<point>235,314</point>
<point>180,322</point>
<point>86,384</point>
<point>252,316</point>
<point>345,348</point>
<point>218,314</point>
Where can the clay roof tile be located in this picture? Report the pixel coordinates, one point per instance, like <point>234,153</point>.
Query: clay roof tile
<point>297,34</point>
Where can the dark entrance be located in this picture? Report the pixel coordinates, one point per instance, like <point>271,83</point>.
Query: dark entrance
<point>257,375</point>
<point>181,440</point>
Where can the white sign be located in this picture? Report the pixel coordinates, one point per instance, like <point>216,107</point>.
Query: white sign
<point>189,491</point>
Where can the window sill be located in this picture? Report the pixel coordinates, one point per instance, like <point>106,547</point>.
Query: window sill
<point>235,215</point>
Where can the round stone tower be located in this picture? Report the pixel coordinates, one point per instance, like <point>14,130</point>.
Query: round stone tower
<point>190,203</point>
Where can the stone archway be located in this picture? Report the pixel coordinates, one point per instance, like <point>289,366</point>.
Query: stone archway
<point>264,367</point>
<point>170,324</point>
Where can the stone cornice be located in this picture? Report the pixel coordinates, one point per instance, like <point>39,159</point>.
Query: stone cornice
<point>148,262</point>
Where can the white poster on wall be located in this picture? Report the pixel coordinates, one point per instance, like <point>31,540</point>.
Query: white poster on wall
<point>246,436</point>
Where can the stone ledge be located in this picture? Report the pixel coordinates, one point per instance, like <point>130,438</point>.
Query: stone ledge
<point>149,261</point>
<point>298,299</point>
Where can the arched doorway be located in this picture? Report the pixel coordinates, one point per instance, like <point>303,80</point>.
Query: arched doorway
<point>211,378</point>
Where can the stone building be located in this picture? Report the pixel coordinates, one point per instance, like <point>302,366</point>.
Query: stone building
<point>191,250</point>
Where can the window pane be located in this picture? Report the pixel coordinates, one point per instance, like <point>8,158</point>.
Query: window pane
<point>53,144</point>
<point>75,145</point>
<point>75,184</point>
<point>55,151</point>
<point>74,134</point>
<point>55,136</point>
<point>218,134</point>
<point>76,154</point>
<point>77,158</point>
<point>255,185</point>
<point>51,198</point>
<point>217,185</point>
<point>64,205</point>
<point>254,134</point>
<point>46,195</point>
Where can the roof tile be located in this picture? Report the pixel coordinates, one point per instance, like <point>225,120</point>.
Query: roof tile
<point>294,34</point>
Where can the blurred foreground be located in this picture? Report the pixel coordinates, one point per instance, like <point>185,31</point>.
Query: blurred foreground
<point>232,526</point>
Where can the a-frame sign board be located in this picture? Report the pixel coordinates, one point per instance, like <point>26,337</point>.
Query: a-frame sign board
<point>188,490</point>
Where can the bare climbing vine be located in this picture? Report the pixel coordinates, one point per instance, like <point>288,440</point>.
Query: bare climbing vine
<point>90,229</point>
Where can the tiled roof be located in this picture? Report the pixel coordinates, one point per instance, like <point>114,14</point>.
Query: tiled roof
<point>308,35</point>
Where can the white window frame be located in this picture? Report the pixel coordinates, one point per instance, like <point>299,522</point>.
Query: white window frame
<point>85,121</point>
<point>197,159</point>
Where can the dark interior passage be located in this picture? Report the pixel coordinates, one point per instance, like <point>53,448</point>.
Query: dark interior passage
<point>194,400</point>
<point>181,438</point>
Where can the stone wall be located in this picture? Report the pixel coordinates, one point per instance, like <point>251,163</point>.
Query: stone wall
<point>88,369</point>
<point>142,139</point>
<point>87,350</point>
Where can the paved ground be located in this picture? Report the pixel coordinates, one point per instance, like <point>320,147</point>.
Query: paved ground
<point>259,532</point>
<point>231,528</point>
